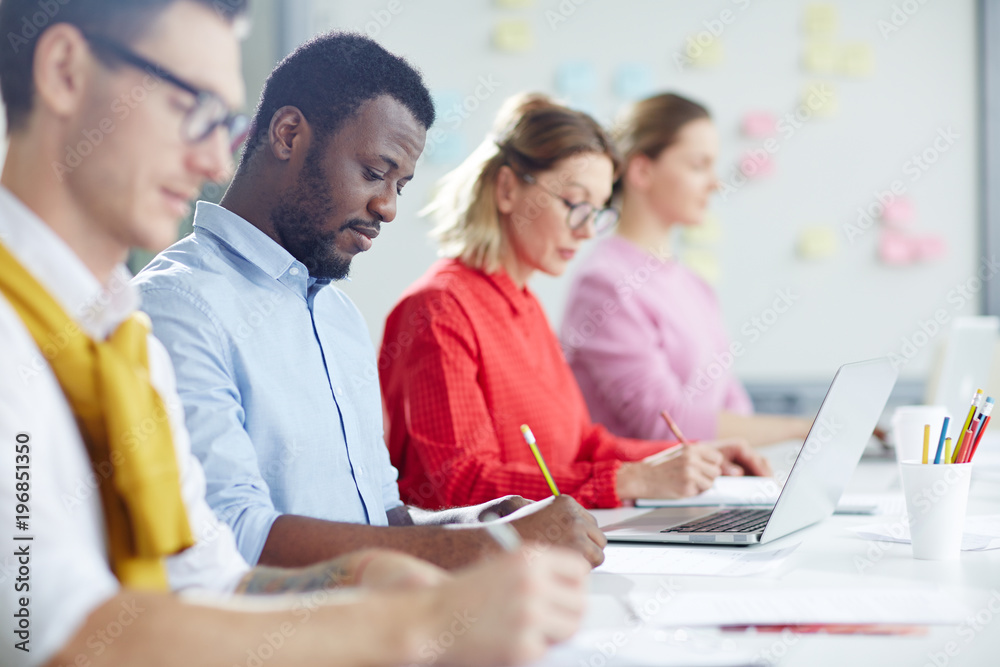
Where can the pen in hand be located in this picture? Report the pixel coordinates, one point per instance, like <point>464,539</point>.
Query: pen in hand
<point>502,533</point>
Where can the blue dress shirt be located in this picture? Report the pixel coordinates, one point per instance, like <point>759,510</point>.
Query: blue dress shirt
<point>278,378</point>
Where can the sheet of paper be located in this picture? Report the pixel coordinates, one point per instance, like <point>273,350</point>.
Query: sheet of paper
<point>726,491</point>
<point>683,561</point>
<point>613,647</point>
<point>761,607</point>
<point>982,533</point>
<point>879,504</point>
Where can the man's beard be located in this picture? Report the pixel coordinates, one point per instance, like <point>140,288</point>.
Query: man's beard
<point>298,220</point>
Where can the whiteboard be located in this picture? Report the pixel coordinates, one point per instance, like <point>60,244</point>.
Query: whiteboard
<point>846,307</point>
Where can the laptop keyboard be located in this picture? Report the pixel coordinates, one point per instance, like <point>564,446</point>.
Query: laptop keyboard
<point>725,521</point>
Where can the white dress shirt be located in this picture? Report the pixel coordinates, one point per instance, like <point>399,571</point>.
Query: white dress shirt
<point>70,573</point>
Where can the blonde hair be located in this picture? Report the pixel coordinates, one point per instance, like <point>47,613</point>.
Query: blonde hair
<point>650,126</point>
<point>531,134</point>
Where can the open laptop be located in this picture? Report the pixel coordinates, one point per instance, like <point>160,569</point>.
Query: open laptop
<point>968,356</point>
<point>821,471</point>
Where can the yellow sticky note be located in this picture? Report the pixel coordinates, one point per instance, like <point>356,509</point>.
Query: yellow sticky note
<point>704,50</point>
<point>704,263</point>
<point>820,99</point>
<point>514,4</point>
<point>822,57</point>
<point>515,36</point>
<point>821,19</point>
<point>709,232</point>
<point>818,242</point>
<point>857,59</point>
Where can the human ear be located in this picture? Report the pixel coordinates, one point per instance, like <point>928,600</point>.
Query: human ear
<point>638,172</point>
<point>288,127</point>
<point>60,69</point>
<point>506,190</point>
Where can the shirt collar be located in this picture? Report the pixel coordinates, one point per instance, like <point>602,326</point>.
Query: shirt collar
<point>254,246</point>
<point>97,308</point>
<point>519,298</point>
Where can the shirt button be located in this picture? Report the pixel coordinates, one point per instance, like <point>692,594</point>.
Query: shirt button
<point>294,270</point>
<point>361,471</point>
<point>338,391</point>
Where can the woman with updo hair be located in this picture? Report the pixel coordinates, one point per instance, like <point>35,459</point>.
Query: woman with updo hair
<point>468,355</point>
<point>664,345</point>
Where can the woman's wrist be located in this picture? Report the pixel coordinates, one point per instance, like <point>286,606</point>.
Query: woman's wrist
<point>628,482</point>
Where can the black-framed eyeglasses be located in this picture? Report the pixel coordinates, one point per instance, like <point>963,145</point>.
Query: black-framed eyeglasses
<point>582,213</point>
<point>209,111</point>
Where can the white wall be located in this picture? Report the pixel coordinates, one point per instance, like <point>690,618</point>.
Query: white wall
<point>847,307</point>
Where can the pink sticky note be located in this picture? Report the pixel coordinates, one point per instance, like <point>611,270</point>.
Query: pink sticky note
<point>760,124</point>
<point>896,249</point>
<point>898,212</point>
<point>756,163</point>
<point>931,246</point>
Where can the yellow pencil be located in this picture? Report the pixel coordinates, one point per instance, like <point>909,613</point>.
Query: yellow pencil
<point>529,438</point>
<point>927,442</point>
<point>977,402</point>
<point>947,450</point>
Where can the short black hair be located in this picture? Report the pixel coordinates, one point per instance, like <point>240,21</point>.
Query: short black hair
<point>22,22</point>
<point>329,77</point>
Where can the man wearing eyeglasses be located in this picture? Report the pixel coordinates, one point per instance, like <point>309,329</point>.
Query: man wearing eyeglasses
<point>275,365</point>
<point>105,512</point>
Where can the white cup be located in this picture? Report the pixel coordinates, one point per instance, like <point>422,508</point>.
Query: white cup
<point>908,430</point>
<point>936,497</point>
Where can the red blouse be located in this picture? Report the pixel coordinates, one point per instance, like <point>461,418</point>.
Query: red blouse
<point>466,359</point>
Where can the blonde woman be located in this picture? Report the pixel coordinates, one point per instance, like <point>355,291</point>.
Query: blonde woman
<point>468,355</point>
<point>657,347</point>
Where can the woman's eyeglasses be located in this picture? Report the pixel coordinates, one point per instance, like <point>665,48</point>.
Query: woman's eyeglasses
<point>582,213</point>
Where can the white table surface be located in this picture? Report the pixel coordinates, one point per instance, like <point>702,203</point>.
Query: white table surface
<point>831,555</point>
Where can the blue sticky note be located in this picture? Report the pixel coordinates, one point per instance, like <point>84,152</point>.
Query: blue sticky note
<point>634,81</point>
<point>445,100</point>
<point>576,79</point>
<point>445,147</point>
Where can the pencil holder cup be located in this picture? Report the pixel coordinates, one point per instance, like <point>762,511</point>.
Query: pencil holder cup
<point>908,429</point>
<point>936,498</point>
